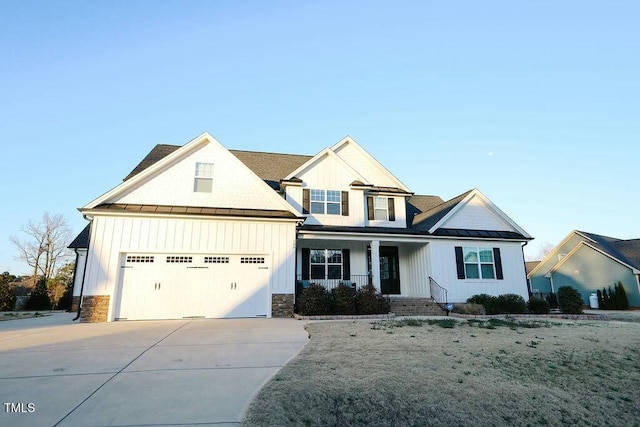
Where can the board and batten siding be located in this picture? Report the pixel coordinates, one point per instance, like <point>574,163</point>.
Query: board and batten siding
<point>443,267</point>
<point>414,270</point>
<point>114,236</point>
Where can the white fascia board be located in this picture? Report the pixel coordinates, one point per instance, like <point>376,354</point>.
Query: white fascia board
<point>190,146</point>
<point>489,204</point>
<point>580,245</point>
<point>348,140</point>
<point>159,165</point>
<point>318,157</point>
<point>551,254</point>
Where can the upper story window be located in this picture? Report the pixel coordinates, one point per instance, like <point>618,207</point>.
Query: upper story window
<point>330,202</point>
<point>381,208</point>
<point>203,182</point>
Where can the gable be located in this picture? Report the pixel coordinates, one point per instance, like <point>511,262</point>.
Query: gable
<point>366,165</point>
<point>589,265</point>
<point>170,182</point>
<point>327,171</point>
<point>476,214</point>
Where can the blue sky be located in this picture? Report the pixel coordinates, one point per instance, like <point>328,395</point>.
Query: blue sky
<point>537,104</point>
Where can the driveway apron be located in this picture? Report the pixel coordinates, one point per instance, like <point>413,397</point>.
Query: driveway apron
<point>185,372</point>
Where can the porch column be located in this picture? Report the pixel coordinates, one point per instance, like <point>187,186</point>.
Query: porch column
<point>375,264</point>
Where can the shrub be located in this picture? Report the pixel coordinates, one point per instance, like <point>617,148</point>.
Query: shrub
<point>600,300</point>
<point>622,302</point>
<point>552,299</point>
<point>369,301</point>
<point>39,299</point>
<point>511,304</point>
<point>315,299</point>
<point>489,302</point>
<point>570,300</point>
<point>7,297</point>
<point>538,306</point>
<point>344,299</point>
<point>469,308</point>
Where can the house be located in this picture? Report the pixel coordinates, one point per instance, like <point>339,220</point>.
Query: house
<point>589,262</point>
<point>202,231</point>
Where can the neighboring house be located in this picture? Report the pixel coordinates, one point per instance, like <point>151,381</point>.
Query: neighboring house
<point>201,231</point>
<point>588,262</point>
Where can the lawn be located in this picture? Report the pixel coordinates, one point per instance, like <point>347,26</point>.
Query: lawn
<point>458,372</point>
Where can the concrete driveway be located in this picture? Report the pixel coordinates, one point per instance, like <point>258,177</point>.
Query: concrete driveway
<point>172,372</point>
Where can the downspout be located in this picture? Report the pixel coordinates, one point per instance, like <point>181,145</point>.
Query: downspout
<point>73,281</point>
<point>84,274</point>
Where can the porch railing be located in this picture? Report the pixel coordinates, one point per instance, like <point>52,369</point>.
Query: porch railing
<point>439,294</point>
<point>355,281</point>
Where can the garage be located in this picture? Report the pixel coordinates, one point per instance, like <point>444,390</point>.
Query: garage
<point>176,286</point>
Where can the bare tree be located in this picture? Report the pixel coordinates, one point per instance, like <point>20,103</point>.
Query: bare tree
<point>45,246</point>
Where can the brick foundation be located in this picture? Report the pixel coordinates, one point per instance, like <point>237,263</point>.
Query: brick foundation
<point>74,304</point>
<point>415,307</point>
<point>95,308</point>
<point>282,305</point>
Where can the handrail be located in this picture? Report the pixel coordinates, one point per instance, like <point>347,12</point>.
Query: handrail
<point>439,294</point>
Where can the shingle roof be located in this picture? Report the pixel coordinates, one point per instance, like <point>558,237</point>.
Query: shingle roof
<point>530,265</point>
<point>158,153</point>
<point>82,240</point>
<point>421,203</point>
<point>271,167</point>
<point>627,251</point>
<point>426,220</point>
<point>442,232</point>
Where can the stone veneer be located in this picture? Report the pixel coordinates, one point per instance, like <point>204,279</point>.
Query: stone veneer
<point>95,308</point>
<point>74,304</point>
<point>415,307</point>
<point>282,305</point>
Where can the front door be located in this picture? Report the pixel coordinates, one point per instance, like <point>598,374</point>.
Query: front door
<point>389,270</point>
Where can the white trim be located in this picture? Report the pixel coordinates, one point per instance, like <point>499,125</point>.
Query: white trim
<point>578,247</point>
<point>552,253</point>
<point>119,214</point>
<point>317,158</point>
<point>204,138</point>
<point>348,140</point>
<point>475,192</point>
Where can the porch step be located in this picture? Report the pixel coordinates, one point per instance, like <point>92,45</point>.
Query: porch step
<point>415,307</point>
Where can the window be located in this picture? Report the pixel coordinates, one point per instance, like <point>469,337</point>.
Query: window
<point>325,201</point>
<point>380,206</point>
<point>203,182</point>
<point>325,263</point>
<point>479,263</point>
<point>317,201</point>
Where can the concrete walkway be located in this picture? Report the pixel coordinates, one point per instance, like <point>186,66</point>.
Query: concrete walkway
<point>182,372</point>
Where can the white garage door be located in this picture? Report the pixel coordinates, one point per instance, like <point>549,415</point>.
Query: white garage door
<point>175,286</point>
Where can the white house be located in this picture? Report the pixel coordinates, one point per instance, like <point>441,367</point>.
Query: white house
<point>201,231</point>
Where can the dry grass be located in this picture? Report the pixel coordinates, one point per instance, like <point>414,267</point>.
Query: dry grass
<point>414,373</point>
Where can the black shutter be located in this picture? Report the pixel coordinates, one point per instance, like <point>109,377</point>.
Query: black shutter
<point>306,197</point>
<point>345,203</point>
<point>498,260</point>
<point>392,209</point>
<point>346,264</point>
<point>370,208</point>
<point>459,262</point>
<point>306,261</point>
